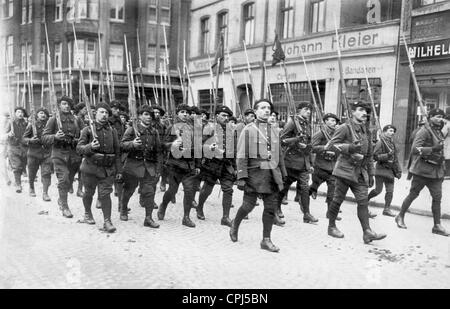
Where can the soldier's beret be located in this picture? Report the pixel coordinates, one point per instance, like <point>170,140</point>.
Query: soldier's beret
<point>261,101</point>
<point>276,113</point>
<point>162,112</point>
<point>116,104</point>
<point>435,112</point>
<point>183,107</point>
<point>331,115</point>
<point>105,106</point>
<point>249,111</point>
<point>224,109</point>
<point>125,115</point>
<point>204,111</point>
<point>145,108</point>
<point>389,126</point>
<point>361,104</point>
<point>25,114</point>
<point>68,100</point>
<point>79,107</point>
<point>303,105</point>
<point>43,110</point>
<point>194,110</point>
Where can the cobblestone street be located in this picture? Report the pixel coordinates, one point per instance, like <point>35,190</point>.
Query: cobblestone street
<point>45,250</point>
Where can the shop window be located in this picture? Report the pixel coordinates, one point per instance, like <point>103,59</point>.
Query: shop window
<point>206,99</point>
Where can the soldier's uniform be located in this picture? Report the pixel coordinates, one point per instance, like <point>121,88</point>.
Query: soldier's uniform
<point>426,168</point>
<point>260,173</point>
<point>298,161</point>
<point>142,167</point>
<point>99,167</point>
<point>65,159</point>
<point>324,162</point>
<point>354,170</point>
<point>182,165</point>
<point>38,155</point>
<point>218,165</point>
<point>82,118</point>
<point>17,150</point>
<point>387,169</point>
<point>161,127</point>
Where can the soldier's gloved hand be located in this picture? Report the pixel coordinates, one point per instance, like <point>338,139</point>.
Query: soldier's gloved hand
<point>95,144</point>
<point>354,148</point>
<point>34,140</point>
<point>119,178</point>
<point>437,148</point>
<point>371,181</point>
<point>241,184</point>
<point>59,135</point>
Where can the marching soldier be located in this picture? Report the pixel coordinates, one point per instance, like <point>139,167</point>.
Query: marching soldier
<point>66,161</point>
<point>101,162</point>
<point>354,170</point>
<point>387,167</point>
<point>80,112</point>
<point>249,117</point>
<point>39,155</point>
<point>260,172</point>
<point>17,151</point>
<point>161,127</point>
<point>4,149</point>
<point>142,165</point>
<point>426,168</point>
<point>298,159</point>
<point>325,160</point>
<point>182,165</point>
<point>218,164</point>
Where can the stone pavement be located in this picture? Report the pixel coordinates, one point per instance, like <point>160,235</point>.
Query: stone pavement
<point>48,251</point>
<point>421,206</point>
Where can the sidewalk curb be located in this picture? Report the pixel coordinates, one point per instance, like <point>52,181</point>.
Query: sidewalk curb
<point>419,212</point>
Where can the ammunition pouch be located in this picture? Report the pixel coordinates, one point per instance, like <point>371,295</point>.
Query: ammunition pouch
<point>104,160</point>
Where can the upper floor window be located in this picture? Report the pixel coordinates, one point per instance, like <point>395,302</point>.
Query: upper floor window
<point>152,12</point>
<point>204,39</point>
<point>58,55</point>
<point>116,57</point>
<point>82,9</point>
<point>117,11</point>
<point>249,23</point>
<point>287,18</point>
<point>27,11</point>
<point>222,25</point>
<point>317,16</point>
<point>43,56</point>
<point>165,12</point>
<point>85,52</point>
<point>7,8</point>
<point>25,55</point>
<point>58,10</point>
<point>10,50</point>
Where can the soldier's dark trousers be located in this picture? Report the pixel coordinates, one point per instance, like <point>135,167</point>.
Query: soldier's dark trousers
<point>302,179</point>
<point>389,185</point>
<point>189,181</point>
<point>64,172</point>
<point>319,177</point>
<point>18,164</point>
<point>435,188</point>
<point>104,188</point>
<point>46,171</point>
<point>164,176</point>
<point>147,189</point>
<point>270,205</point>
<point>360,191</point>
<point>226,183</point>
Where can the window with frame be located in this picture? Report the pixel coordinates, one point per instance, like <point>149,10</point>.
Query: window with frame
<point>206,100</point>
<point>204,38</point>
<point>58,55</point>
<point>26,50</point>
<point>24,11</point>
<point>249,23</point>
<point>287,18</point>
<point>86,54</point>
<point>10,49</point>
<point>165,12</point>
<point>30,11</point>
<point>152,12</point>
<point>116,57</point>
<point>43,57</point>
<point>7,7</point>
<point>117,11</point>
<point>27,11</point>
<point>222,28</point>
<point>151,58</point>
<point>58,10</point>
<point>82,9</point>
<point>317,16</point>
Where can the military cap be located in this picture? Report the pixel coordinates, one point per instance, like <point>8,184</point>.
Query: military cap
<point>261,101</point>
<point>125,115</point>
<point>116,104</point>
<point>43,110</point>
<point>79,107</point>
<point>224,109</point>
<point>204,111</point>
<point>105,106</point>
<point>145,108</point>
<point>25,114</point>
<point>276,113</point>
<point>194,110</point>
<point>331,115</point>
<point>183,107</point>
<point>162,112</point>
<point>68,100</point>
<point>361,104</point>
<point>303,105</point>
<point>249,111</point>
<point>232,118</point>
<point>389,126</point>
<point>435,112</point>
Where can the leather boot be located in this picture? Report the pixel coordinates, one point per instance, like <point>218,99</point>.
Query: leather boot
<point>98,205</point>
<point>64,207</point>
<point>45,197</point>
<point>45,186</point>
<point>108,226</point>
<point>71,189</point>
<point>174,200</point>
<point>277,220</point>
<point>370,236</point>
<point>18,188</point>
<point>18,182</point>
<point>234,229</point>
<point>309,218</point>
<point>400,220</point>
<point>124,213</point>
<point>334,232</point>
<point>32,192</point>
<point>226,221</point>
<point>161,212</point>
<point>439,230</point>
<point>387,212</point>
<point>267,244</point>
<point>200,214</point>
<point>148,222</point>
<point>188,222</point>
<point>88,218</point>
